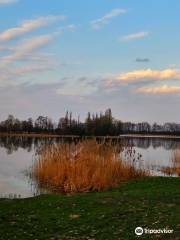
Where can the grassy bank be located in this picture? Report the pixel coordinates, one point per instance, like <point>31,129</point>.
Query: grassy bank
<point>114,214</point>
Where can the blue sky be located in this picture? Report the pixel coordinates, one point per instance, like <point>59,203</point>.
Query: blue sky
<point>88,56</point>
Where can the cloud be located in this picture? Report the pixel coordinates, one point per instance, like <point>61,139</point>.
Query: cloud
<point>143,74</point>
<point>70,27</point>
<point>3,2</point>
<point>78,88</point>
<point>13,66</point>
<point>26,58</point>
<point>31,69</point>
<point>134,36</point>
<point>165,89</point>
<point>98,23</point>
<point>12,76</point>
<point>142,60</point>
<point>26,47</point>
<point>28,26</point>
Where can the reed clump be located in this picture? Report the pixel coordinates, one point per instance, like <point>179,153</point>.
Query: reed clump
<point>82,167</point>
<point>175,168</point>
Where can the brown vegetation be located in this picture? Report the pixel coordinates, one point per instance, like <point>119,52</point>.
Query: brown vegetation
<point>85,166</point>
<point>175,169</point>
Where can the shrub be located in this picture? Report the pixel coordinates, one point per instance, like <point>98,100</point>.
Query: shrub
<point>82,167</point>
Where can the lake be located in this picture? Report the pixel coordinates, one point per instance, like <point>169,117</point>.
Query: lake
<point>18,153</point>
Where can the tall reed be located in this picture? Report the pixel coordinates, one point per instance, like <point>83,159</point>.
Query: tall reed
<point>85,166</point>
<point>175,169</point>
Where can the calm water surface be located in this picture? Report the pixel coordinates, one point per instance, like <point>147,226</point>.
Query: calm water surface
<point>17,154</point>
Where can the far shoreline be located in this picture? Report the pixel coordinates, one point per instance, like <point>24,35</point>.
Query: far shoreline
<point>41,135</point>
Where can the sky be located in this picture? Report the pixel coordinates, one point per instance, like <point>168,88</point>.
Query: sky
<point>86,56</point>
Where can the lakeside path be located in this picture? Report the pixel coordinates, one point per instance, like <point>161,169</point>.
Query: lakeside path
<point>151,202</point>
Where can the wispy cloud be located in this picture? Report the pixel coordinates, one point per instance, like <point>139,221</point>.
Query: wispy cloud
<point>19,75</point>
<point>3,2</point>
<point>144,74</point>
<point>165,89</point>
<point>70,27</point>
<point>25,59</point>
<point>79,87</point>
<point>98,23</point>
<point>134,36</point>
<point>28,26</point>
<point>26,47</point>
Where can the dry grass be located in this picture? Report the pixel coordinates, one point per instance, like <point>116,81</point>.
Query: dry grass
<point>175,169</point>
<point>85,166</point>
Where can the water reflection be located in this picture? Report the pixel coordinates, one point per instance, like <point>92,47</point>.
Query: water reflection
<point>14,143</point>
<point>16,154</point>
<point>145,143</point>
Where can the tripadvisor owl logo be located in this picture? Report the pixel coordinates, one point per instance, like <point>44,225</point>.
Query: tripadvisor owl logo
<point>139,231</point>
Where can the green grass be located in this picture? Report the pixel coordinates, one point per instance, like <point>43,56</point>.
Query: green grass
<point>149,202</point>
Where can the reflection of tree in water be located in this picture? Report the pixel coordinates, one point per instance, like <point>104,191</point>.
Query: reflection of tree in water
<point>145,143</point>
<point>13,143</point>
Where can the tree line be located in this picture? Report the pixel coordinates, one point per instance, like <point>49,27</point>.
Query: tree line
<point>101,124</point>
